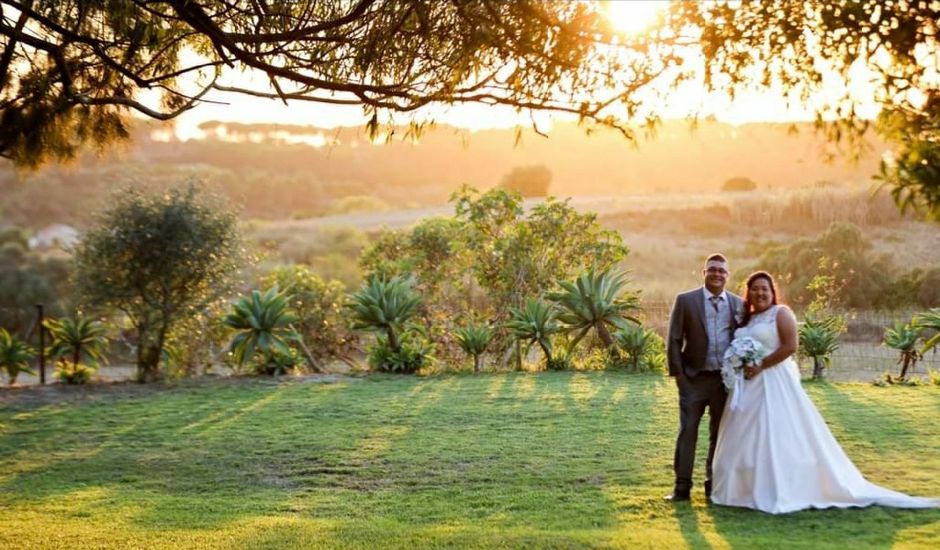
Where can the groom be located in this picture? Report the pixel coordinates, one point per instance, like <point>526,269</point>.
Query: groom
<point>701,326</point>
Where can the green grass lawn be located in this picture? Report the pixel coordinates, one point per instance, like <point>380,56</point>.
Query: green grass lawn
<point>563,460</point>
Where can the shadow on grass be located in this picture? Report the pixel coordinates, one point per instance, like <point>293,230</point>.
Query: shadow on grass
<point>872,527</point>
<point>878,426</point>
<point>554,459</point>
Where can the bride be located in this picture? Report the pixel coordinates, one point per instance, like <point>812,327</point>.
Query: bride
<point>774,451</point>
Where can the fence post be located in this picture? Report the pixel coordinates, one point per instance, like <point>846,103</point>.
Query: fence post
<point>42,346</point>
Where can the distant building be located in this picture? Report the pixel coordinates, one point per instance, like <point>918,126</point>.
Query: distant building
<point>55,236</point>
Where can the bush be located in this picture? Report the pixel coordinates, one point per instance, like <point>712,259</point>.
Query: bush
<point>318,305</point>
<point>528,181</point>
<point>933,376</point>
<point>473,340</point>
<point>73,373</point>
<point>358,203</point>
<point>739,184</point>
<point>414,352</point>
<point>27,279</point>
<point>841,256</point>
<point>278,363</point>
<point>561,360</point>
<point>928,292</point>
<point>14,355</point>
<point>640,349</point>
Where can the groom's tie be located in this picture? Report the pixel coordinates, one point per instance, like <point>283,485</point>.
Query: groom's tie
<point>714,300</point>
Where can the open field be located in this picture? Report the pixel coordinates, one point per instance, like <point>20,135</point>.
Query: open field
<point>563,460</point>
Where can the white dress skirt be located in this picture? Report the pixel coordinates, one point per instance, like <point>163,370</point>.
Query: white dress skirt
<point>775,452</point>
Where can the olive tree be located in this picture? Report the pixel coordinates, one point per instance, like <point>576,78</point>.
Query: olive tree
<point>160,258</point>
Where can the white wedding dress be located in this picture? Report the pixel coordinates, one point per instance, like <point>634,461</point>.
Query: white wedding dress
<point>775,452</point>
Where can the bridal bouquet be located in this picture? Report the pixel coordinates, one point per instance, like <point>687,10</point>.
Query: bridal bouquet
<point>742,351</point>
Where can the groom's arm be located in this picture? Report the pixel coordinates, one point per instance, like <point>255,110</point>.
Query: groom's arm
<point>674,338</point>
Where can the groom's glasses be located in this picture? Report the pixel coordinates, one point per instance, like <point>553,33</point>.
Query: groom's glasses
<point>720,270</point>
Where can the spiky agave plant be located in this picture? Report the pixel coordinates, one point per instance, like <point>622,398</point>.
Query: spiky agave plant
<point>904,337</point>
<point>598,301</point>
<point>929,321</point>
<point>14,355</point>
<point>263,323</point>
<point>819,339</point>
<point>385,306</point>
<point>635,340</point>
<point>473,340</point>
<point>535,323</point>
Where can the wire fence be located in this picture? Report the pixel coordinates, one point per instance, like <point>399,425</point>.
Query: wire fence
<point>861,355</point>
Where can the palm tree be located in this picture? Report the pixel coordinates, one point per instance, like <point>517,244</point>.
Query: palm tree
<point>79,342</point>
<point>904,337</point>
<point>596,301</point>
<point>14,355</point>
<point>535,323</point>
<point>819,338</point>
<point>264,326</point>
<point>473,340</point>
<point>384,305</point>
<point>929,321</point>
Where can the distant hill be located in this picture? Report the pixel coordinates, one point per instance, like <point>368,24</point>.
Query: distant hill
<point>677,158</point>
<point>275,172</point>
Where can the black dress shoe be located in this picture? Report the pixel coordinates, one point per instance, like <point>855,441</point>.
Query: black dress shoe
<point>677,496</point>
<point>708,489</point>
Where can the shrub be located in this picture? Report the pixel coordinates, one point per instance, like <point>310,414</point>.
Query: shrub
<point>739,184</point>
<point>278,363</point>
<point>195,345</point>
<point>560,360</point>
<point>473,340</point>
<point>27,279</point>
<point>413,353</point>
<point>904,337</point>
<point>598,301</point>
<point>929,321</point>
<point>14,355</point>
<point>644,348</point>
<point>819,339</point>
<point>264,331</point>
<point>528,181</point>
<point>535,323</point>
<point>73,373</point>
<point>840,255</point>
<point>318,306</point>
<point>887,379</point>
<point>386,307</point>
<point>358,203</point>
<point>78,344</point>
<point>933,377</point>
<point>928,291</point>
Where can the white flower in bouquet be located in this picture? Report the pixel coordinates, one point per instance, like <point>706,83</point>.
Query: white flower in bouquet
<point>742,351</point>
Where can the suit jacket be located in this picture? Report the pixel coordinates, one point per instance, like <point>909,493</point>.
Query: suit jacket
<point>687,341</point>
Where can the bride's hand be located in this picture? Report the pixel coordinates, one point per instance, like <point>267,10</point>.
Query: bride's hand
<point>750,371</point>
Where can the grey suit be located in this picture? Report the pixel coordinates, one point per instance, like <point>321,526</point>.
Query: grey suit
<point>687,348</point>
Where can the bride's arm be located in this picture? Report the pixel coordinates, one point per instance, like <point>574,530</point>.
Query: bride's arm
<point>786,329</point>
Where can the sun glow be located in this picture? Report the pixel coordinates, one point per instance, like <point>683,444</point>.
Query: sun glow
<point>633,16</point>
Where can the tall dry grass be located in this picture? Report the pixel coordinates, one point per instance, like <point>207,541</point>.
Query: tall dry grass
<point>820,206</point>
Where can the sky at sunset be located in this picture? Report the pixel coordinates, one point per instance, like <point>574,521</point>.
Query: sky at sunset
<point>629,16</point>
